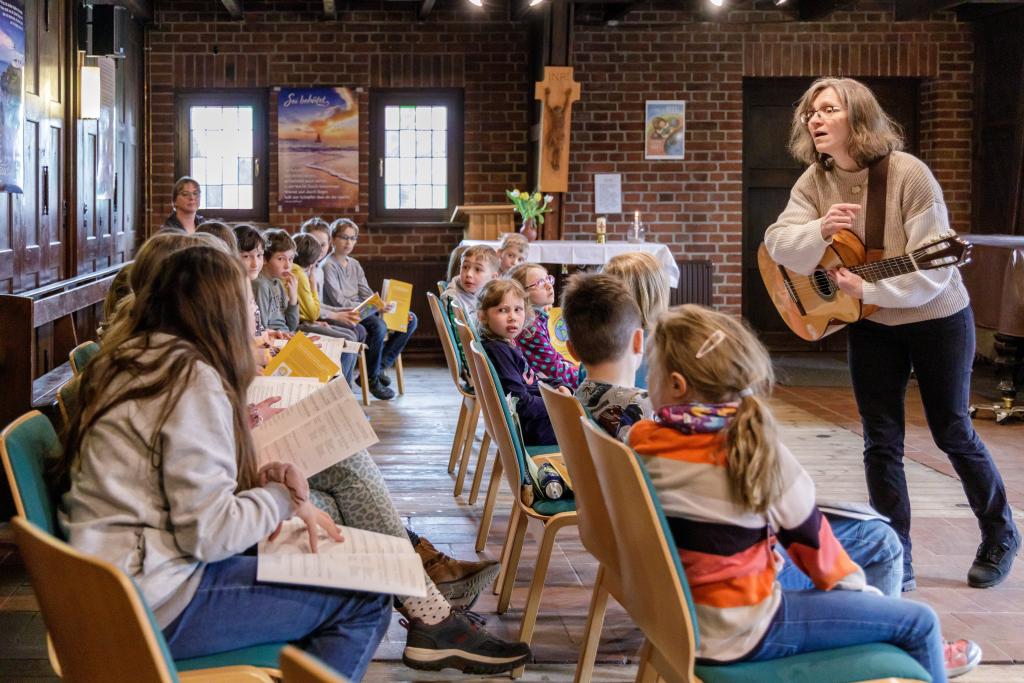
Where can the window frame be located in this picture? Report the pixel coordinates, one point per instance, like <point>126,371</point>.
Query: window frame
<point>255,97</point>
<point>453,99</point>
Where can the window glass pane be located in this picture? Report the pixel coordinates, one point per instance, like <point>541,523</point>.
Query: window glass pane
<point>440,143</point>
<point>212,197</point>
<point>408,143</point>
<point>423,118</point>
<point>391,143</point>
<point>423,143</point>
<point>391,171</point>
<point>245,196</point>
<point>221,155</point>
<point>440,197</point>
<point>245,118</point>
<point>423,169</point>
<point>214,166</point>
<point>199,170</point>
<point>231,170</point>
<point>243,144</point>
<point>440,116</point>
<point>408,171</point>
<point>228,120</point>
<point>407,118</point>
<point>245,172</point>
<point>406,195</point>
<point>439,176</point>
<point>391,197</point>
<point>424,196</point>
<point>391,118</point>
<point>230,196</point>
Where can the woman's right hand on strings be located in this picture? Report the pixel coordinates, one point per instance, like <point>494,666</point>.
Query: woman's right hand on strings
<point>838,217</point>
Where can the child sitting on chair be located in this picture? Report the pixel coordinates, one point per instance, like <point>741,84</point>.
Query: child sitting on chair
<point>276,289</point>
<point>647,282</point>
<point>502,315</point>
<point>512,251</point>
<point>479,266</point>
<point>535,340</point>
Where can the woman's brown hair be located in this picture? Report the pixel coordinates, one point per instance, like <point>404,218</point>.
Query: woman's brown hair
<point>198,298</point>
<point>722,360</point>
<point>872,133</point>
<point>644,278</point>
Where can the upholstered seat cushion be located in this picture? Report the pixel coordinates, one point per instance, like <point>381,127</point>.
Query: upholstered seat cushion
<point>266,656</point>
<point>844,665</point>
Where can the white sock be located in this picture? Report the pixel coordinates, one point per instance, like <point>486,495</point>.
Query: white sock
<point>431,610</point>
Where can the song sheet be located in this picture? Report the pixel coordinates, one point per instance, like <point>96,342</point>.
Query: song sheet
<point>320,430</point>
<point>363,561</point>
<point>291,390</point>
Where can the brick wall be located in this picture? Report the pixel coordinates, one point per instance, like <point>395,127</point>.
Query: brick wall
<point>657,52</point>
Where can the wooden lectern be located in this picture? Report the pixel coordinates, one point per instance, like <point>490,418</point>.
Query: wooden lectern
<point>485,221</point>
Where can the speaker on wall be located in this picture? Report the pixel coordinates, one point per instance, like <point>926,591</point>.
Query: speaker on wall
<point>101,30</point>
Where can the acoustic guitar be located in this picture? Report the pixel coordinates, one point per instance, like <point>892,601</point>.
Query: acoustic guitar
<point>814,307</point>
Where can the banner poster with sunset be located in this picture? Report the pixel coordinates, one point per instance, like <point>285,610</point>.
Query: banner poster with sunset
<point>318,148</point>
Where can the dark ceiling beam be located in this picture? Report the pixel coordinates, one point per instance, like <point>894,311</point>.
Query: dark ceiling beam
<point>140,9</point>
<point>912,10</point>
<point>426,7</point>
<point>615,11</point>
<point>234,8</point>
<point>330,10</point>
<point>976,11</point>
<point>815,10</point>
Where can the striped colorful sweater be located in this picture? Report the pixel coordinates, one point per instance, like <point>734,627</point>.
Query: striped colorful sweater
<point>535,343</point>
<point>726,549</point>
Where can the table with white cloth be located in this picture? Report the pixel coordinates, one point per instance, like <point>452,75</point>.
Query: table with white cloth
<point>581,253</point>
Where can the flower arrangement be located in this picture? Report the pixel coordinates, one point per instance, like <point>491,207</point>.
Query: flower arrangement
<point>530,206</point>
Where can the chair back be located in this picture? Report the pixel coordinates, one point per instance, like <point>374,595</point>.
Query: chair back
<point>300,667</point>
<point>67,400</point>
<point>503,431</point>
<point>444,331</point>
<point>565,413</point>
<point>26,446</point>
<point>441,286</point>
<point>81,355</point>
<point>98,622</point>
<point>651,584</point>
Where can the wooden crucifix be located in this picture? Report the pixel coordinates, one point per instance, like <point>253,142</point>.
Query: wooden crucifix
<point>556,92</point>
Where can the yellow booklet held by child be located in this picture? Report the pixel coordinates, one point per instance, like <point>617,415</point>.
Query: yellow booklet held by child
<point>301,358</point>
<point>372,304</point>
<point>399,293</point>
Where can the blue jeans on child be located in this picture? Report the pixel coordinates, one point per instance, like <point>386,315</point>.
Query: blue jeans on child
<point>808,621</point>
<point>872,544</point>
<point>230,610</point>
<point>382,347</point>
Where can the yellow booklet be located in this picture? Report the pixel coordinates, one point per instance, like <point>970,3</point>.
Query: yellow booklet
<point>401,294</point>
<point>559,335</point>
<point>301,358</point>
<point>370,305</point>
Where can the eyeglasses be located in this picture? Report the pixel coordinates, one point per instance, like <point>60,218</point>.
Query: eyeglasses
<point>826,113</point>
<point>549,280</point>
<point>346,238</point>
<point>190,195</point>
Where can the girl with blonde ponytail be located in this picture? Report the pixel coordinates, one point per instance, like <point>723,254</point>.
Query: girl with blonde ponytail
<point>730,488</point>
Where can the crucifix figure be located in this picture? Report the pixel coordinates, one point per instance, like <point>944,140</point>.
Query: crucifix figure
<point>556,92</point>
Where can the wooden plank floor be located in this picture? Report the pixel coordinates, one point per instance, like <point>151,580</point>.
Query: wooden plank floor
<point>416,432</point>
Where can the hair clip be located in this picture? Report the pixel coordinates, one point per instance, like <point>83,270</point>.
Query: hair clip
<point>746,392</point>
<point>713,340</point>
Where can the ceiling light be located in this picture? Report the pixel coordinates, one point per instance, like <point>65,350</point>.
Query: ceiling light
<point>478,3</point>
<point>717,3</point>
<point>535,2</point>
<point>780,2</point>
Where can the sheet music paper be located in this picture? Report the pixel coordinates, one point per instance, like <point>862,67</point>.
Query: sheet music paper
<point>290,389</point>
<point>364,561</point>
<point>335,346</point>
<point>320,430</point>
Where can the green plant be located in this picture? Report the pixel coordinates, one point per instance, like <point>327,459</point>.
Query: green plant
<point>530,206</point>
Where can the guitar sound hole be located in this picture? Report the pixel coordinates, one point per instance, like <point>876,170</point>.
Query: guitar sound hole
<point>823,284</point>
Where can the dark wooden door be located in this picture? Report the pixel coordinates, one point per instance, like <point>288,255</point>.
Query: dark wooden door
<point>769,173</point>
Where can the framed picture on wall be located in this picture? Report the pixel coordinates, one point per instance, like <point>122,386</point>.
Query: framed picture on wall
<point>664,129</point>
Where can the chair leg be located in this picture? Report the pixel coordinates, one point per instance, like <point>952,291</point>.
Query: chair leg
<point>400,374</point>
<point>506,544</point>
<point>364,381</point>
<point>645,672</point>
<point>540,574</point>
<point>489,502</point>
<point>467,448</point>
<point>481,465</point>
<point>592,636</point>
<point>511,564</point>
<point>460,425</point>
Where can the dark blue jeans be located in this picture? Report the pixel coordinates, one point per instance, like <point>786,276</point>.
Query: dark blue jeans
<point>382,347</point>
<point>230,611</point>
<point>941,353</point>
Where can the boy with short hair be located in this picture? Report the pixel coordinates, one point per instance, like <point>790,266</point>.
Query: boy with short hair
<point>606,336</point>
<point>512,251</point>
<point>479,266</point>
<point>276,288</point>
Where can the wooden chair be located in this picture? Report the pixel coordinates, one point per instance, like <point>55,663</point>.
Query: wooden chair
<point>26,446</point>
<point>467,333</point>
<point>67,400</point>
<point>99,624</point>
<point>644,574</point>
<point>469,412</point>
<point>364,380</point>
<point>552,515</point>
<point>81,355</point>
<point>300,667</point>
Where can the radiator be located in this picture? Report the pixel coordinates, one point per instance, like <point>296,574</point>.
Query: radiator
<point>694,284</point>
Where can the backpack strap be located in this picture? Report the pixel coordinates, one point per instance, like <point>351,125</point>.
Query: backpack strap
<point>874,217</point>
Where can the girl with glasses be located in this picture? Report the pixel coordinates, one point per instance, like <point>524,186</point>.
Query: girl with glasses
<point>535,339</point>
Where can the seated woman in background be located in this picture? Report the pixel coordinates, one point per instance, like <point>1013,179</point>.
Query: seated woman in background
<point>644,278</point>
<point>184,215</point>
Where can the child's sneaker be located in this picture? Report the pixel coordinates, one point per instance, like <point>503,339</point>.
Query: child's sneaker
<point>961,656</point>
<point>459,643</point>
<point>460,581</point>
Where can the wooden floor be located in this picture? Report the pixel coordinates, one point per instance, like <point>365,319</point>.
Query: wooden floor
<point>820,426</point>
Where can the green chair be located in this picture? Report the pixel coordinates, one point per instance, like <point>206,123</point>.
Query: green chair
<point>26,447</point>
<point>81,355</point>
<point>642,571</point>
<point>301,667</point>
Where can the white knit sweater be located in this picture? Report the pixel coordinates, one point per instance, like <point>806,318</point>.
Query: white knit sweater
<point>915,213</point>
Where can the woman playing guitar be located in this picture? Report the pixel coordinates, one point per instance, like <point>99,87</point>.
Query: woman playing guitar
<point>924,319</point>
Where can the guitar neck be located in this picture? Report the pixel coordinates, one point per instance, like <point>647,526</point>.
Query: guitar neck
<point>886,268</point>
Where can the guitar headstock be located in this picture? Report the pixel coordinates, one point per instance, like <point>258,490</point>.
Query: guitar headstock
<point>945,250</point>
